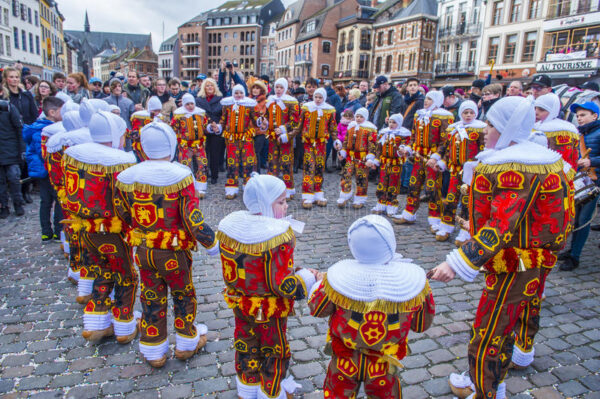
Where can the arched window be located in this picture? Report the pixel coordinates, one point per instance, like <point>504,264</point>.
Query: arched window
<point>378,65</point>
<point>325,70</point>
<point>388,64</point>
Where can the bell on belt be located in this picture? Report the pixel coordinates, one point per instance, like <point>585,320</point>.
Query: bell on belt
<point>259,315</point>
<point>464,189</point>
<point>175,242</point>
<point>521,265</point>
<point>102,229</point>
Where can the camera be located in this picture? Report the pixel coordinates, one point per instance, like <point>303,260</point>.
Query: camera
<point>228,65</point>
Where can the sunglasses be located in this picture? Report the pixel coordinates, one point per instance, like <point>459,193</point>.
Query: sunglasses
<point>536,88</point>
<point>97,84</point>
<point>45,87</point>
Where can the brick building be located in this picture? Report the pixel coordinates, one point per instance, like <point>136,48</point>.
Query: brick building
<point>404,39</point>
<point>190,48</point>
<point>144,61</point>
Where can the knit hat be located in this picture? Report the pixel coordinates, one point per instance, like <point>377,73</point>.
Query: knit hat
<point>154,104</point>
<point>549,102</point>
<point>260,193</point>
<point>69,105</point>
<point>105,128</point>
<point>514,118</point>
<point>362,112</point>
<point>283,83</point>
<point>87,108</point>
<point>158,140</point>
<point>238,88</point>
<point>398,118</point>
<point>468,104</point>
<point>371,240</point>
<point>186,99</point>
<point>72,121</point>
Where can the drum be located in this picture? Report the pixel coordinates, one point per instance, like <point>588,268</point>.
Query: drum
<point>585,188</point>
<point>190,128</point>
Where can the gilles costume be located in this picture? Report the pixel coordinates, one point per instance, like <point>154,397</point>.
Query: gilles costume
<point>317,125</point>
<point>257,256</point>
<point>159,200</point>
<point>358,148</point>
<point>428,135</point>
<point>190,129</point>
<point>74,134</point>
<point>465,141</point>
<point>139,119</point>
<point>238,126</point>
<point>519,212</point>
<point>372,302</point>
<point>283,113</point>
<point>90,177</point>
<point>391,163</point>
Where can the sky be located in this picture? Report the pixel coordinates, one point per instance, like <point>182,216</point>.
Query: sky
<point>135,16</point>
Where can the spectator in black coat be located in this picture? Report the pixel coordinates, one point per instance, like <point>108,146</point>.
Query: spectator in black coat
<point>389,102</point>
<point>209,99</point>
<point>11,157</point>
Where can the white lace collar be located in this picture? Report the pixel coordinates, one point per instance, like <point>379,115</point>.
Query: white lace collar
<point>67,139</point>
<point>155,173</point>
<point>527,153</point>
<point>246,228</point>
<point>555,125</point>
<point>98,154</point>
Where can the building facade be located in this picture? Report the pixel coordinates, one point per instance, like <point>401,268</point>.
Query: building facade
<point>267,50</point>
<point>570,50</point>
<point>166,57</point>
<point>404,40</point>
<point>25,45</point>
<point>354,49</point>
<point>143,61</point>
<point>6,58</point>
<point>459,41</point>
<point>190,49</point>
<point>53,43</point>
<point>511,39</point>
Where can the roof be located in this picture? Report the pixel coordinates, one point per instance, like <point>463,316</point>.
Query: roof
<point>266,27</point>
<point>417,7</point>
<point>385,6</point>
<point>169,41</point>
<point>120,40</point>
<point>244,4</point>
<point>295,9</point>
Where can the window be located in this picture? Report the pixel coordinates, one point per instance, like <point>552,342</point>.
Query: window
<point>23,12</point>
<point>5,16</point>
<point>16,37</point>
<point>324,70</point>
<point>1,45</point>
<point>378,65</point>
<point>31,43</point>
<point>448,19</point>
<point>225,35</point>
<point>326,47</point>
<point>535,9</point>
<point>15,8</point>
<point>400,62</point>
<point>380,39</point>
<point>515,10</point>
<point>390,37</point>
<point>445,53</point>
<point>412,61</point>
<point>457,54</point>
<point>7,45</point>
<point>414,31</point>
<point>388,64</point>
<point>472,53</point>
<point>29,14</point>
<point>497,12</point>
<point>341,63</point>
<point>493,48</point>
<point>363,62</point>
<point>225,49</point>
<point>234,49</point>
<point>426,60</point>
<point>529,46</point>
<point>342,39</point>
<point>311,26</point>
<point>509,49</point>
<point>23,40</point>
<point>36,18</point>
<point>403,33</point>
<point>234,35</point>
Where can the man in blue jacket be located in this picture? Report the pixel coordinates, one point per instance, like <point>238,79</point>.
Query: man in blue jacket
<point>32,134</point>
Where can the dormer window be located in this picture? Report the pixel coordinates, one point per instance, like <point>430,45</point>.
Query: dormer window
<point>311,26</point>
<point>288,16</point>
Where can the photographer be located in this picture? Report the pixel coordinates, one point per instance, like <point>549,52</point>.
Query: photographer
<point>228,78</point>
<point>11,156</point>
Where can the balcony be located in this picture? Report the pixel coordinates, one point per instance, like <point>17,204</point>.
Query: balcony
<point>350,46</point>
<point>190,68</point>
<point>365,46</point>
<point>454,68</point>
<point>351,74</point>
<point>191,43</point>
<point>568,8</point>
<point>454,32</point>
<point>341,48</point>
<point>190,55</point>
<point>303,59</point>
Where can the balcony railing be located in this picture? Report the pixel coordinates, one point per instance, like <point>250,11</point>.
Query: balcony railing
<point>460,30</point>
<point>341,48</point>
<point>192,42</point>
<point>350,46</point>
<point>567,8</point>
<point>303,59</point>
<point>365,46</point>
<point>450,68</point>
<point>353,74</point>
<point>571,52</point>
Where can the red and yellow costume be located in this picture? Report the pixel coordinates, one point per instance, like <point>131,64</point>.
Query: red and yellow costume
<point>190,129</point>
<point>282,113</point>
<point>139,119</point>
<point>521,211</point>
<point>316,127</point>
<point>428,134</point>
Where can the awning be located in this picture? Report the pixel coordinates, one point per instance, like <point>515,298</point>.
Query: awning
<point>573,74</point>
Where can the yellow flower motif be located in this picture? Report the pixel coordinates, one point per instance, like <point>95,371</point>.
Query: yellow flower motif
<point>507,237</point>
<point>189,318</point>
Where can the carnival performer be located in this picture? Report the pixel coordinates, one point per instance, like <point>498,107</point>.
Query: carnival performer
<point>75,133</point>
<point>428,134</point>
<point>158,198</point>
<point>465,141</point>
<point>563,136</point>
<point>189,123</point>
<point>139,119</point>
<point>316,126</point>
<point>520,216</point>
<point>238,125</point>
<point>282,117</point>
<point>358,149</point>
<point>393,144</point>
<point>90,177</point>
<point>372,302</point>
<point>257,255</point>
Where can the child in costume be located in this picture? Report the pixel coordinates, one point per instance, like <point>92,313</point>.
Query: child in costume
<point>238,125</point>
<point>317,125</point>
<point>358,148</point>
<point>257,255</point>
<point>372,302</point>
<point>428,134</point>
<point>90,176</point>
<point>342,130</point>
<point>390,142</point>
<point>520,216</point>
<point>465,141</point>
<point>159,199</point>
<point>139,119</point>
<point>282,117</point>
<point>189,123</point>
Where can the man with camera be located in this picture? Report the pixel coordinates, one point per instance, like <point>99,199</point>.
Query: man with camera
<point>11,156</point>
<point>229,77</point>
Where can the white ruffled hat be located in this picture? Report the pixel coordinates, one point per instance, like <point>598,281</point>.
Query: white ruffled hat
<point>87,108</point>
<point>186,99</point>
<point>283,83</point>
<point>158,140</point>
<point>514,118</point>
<point>106,127</point>
<point>322,92</point>
<point>468,104</point>
<point>371,240</point>
<point>154,104</point>
<point>238,88</point>
<point>362,112</point>
<point>71,121</point>
<point>398,118</point>
<point>260,193</point>
<point>549,102</point>
<point>437,97</point>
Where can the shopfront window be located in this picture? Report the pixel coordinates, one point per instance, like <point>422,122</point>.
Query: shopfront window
<point>570,41</point>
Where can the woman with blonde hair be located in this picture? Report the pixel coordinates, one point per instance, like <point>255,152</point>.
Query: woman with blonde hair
<point>77,87</point>
<point>209,99</point>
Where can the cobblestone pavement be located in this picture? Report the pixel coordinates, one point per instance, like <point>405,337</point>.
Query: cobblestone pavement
<point>43,355</point>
